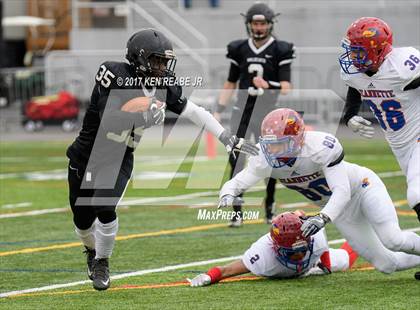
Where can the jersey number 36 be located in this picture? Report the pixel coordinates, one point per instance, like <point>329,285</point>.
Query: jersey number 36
<point>394,117</point>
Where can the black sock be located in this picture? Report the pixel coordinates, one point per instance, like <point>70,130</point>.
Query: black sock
<point>417,209</point>
<point>238,212</point>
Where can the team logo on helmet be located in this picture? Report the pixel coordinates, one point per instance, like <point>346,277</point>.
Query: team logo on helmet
<point>370,33</point>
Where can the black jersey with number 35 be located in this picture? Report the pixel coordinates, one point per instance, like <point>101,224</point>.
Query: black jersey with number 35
<point>115,84</point>
<point>271,61</point>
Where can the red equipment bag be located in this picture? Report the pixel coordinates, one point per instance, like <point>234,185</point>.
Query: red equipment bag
<point>55,107</point>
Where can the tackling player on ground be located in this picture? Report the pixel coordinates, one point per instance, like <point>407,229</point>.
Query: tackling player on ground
<point>101,157</point>
<point>285,253</point>
<point>353,197</point>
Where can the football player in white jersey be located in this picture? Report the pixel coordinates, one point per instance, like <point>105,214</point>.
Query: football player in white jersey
<point>387,79</point>
<point>285,253</point>
<point>351,196</point>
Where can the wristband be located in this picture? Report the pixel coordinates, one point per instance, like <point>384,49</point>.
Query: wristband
<point>220,108</point>
<point>215,274</point>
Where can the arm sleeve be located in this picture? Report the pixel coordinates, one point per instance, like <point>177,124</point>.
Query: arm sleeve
<point>339,185</point>
<point>245,179</point>
<point>172,95</point>
<point>202,118</point>
<point>413,84</point>
<point>234,73</point>
<point>285,73</point>
<point>353,103</point>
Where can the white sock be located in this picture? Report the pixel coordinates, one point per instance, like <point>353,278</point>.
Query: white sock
<point>105,238</point>
<point>87,236</point>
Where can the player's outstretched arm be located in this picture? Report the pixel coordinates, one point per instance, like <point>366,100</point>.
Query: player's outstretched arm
<point>203,118</point>
<point>240,183</point>
<point>216,274</point>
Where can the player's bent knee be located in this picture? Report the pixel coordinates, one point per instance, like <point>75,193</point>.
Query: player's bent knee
<point>385,267</point>
<point>393,242</point>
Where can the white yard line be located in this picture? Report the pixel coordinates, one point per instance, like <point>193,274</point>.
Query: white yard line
<point>146,271</point>
<point>121,276</point>
<point>32,213</point>
<point>390,174</point>
<point>17,205</point>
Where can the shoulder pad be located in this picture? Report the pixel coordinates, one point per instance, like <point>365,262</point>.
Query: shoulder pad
<point>285,50</point>
<point>233,49</point>
<point>111,74</point>
<point>323,148</point>
<point>404,60</point>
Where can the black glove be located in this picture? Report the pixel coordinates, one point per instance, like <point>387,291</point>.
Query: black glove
<point>234,144</point>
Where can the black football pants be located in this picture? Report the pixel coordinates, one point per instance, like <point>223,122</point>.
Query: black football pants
<point>85,215</point>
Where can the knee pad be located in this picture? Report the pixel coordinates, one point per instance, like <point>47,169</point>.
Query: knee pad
<point>393,241</point>
<point>106,216</point>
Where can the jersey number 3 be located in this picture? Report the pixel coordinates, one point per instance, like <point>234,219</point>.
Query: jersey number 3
<point>394,117</point>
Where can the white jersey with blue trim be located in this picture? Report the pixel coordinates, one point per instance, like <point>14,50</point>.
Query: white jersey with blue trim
<point>397,111</point>
<point>320,150</point>
<point>261,259</point>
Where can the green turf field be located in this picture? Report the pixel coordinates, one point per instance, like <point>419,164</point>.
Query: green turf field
<point>41,250</point>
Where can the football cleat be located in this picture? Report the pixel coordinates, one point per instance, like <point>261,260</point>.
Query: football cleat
<point>235,222</point>
<point>90,256</point>
<point>100,275</point>
<point>417,275</point>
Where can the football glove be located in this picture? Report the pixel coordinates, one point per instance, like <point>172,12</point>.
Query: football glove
<point>200,280</point>
<point>234,144</point>
<point>230,201</point>
<point>362,126</point>
<point>314,224</point>
<point>155,115</point>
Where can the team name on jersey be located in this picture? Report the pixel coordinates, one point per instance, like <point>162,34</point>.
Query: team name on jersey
<point>301,179</point>
<point>374,93</point>
<point>256,59</point>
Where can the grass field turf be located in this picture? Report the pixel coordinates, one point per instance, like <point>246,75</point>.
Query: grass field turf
<point>356,289</point>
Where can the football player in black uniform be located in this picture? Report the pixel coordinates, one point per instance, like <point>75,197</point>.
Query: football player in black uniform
<point>261,64</point>
<point>101,157</point>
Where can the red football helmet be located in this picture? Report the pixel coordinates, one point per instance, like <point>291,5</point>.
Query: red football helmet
<point>292,249</point>
<point>282,133</point>
<point>368,40</point>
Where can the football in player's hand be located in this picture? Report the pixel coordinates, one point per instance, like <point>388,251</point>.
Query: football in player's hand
<point>139,104</point>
